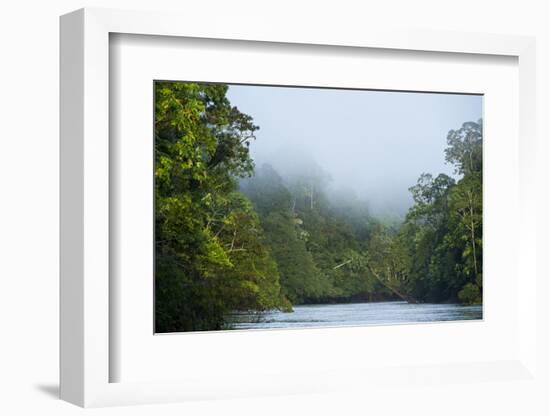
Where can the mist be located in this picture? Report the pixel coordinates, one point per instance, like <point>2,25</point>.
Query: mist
<point>369,145</point>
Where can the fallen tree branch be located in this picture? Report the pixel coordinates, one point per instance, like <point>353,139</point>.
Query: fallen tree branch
<point>342,264</point>
<point>406,298</point>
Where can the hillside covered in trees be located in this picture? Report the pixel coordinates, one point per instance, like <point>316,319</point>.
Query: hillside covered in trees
<point>232,236</point>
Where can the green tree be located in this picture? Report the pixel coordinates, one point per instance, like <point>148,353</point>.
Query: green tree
<point>464,149</point>
<point>252,281</point>
<point>466,210</point>
<point>442,231</point>
<point>300,278</point>
<point>201,146</point>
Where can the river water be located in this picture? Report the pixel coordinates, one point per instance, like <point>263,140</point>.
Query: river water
<point>356,314</point>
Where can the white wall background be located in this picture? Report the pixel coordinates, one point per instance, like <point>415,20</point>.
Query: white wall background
<point>29,205</point>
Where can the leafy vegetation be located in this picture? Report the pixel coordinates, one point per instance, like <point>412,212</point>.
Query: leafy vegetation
<point>231,236</point>
<point>211,256</point>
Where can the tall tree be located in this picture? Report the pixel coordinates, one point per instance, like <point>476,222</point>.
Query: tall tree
<point>443,228</point>
<point>210,257</point>
<point>464,148</point>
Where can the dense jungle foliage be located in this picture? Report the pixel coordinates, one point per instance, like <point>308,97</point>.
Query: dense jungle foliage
<point>232,236</point>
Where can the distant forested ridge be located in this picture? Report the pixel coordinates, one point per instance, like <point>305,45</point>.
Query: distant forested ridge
<point>232,236</point>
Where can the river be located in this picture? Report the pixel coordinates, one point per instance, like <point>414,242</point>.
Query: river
<point>356,314</point>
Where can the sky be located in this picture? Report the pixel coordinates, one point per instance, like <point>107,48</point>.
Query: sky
<point>374,143</point>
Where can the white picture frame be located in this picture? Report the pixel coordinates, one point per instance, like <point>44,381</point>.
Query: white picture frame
<point>85,220</point>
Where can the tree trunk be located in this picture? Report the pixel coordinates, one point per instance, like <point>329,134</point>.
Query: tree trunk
<point>406,298</point>
<point>472,229</point>
<point>342,264</point>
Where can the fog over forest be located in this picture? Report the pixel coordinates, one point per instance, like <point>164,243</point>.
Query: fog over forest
<point>340,197</point>
<point>372,145</point>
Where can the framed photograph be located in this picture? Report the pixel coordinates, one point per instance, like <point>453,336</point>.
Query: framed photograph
<point>269,212</point>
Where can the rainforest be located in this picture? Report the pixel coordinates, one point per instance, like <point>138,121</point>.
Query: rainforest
<point>236,235</point>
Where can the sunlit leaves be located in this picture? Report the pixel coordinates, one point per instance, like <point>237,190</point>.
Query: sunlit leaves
<point>209,249</point>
